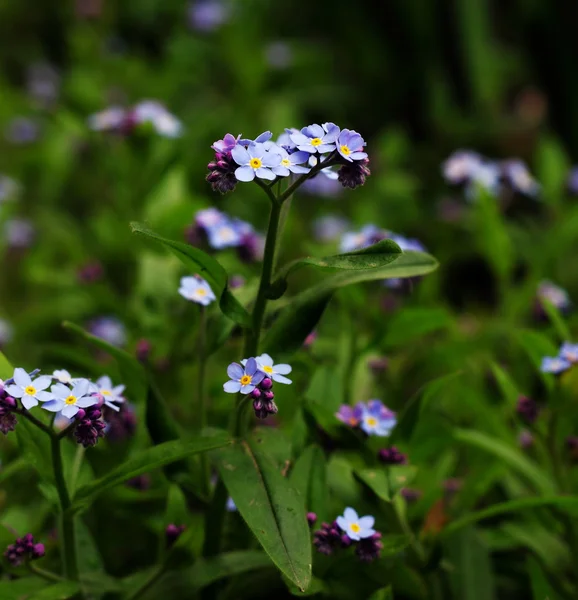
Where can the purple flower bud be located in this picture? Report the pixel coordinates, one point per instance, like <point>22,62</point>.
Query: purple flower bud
<point>392,456</point>
<point>353,174</point>
<point>378,365</point>
<point>89,427</point>
<point>311,518</point>
<point>527,409</point>
<point>22,550</point>
<point>525,439</point>
<point>9,402</point>
<point>38,551</point>
<point>266,384</point>
<point>222,173</point>
<point>269,395</point>
<point>310,339</point>
<point>90,273</point>
<point>410,495</point>
<point>143,349</point>
<point>141,482</point>
<point>327,539</point>
<point>256,394</point>
<point>346,541</point>
<point>369,549</point>
<point>173,533</point>
<point>80,414</point>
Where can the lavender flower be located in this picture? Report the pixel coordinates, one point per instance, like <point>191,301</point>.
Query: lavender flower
<point>316,138</point>
<point>518,177</point>
<point>208,15</point>
<point>227,144</point>
<point>224,235</point>
<point>29,391</point>
<point>350,415</point>
<point>356,527</point>
<point>109,329</point>
<point>68,402</point>
<point>161,120</point>
<point>569,352</point>
<point>367,236</point>
<point>19,233</point>
<point>350,145</point>
<point>90,426</point>
<point>197,290</point>
<point>554,294</point>
<point>109,392</point>
<point>554,364</point>
<point>23,550</point>
<point>255,161</point>
<point>243,379</point>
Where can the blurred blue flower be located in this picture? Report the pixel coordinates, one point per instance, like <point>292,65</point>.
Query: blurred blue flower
<point>366,236</point>
<point>226,234</point>
<point>6,332</point>
<point>209,217</point>
<point>569,352</point>
<point>554,364</point>
<point>255,161</point>
<point>155,113</point>
<point>8,188</point>
<point>356,528</point>
<point>377,419</point>
<point>109,329</point>
<point>316,138</point>
<point>554,294</point>
<point>279,55</point>
<point>516,174</point>
<point>458,168</point>
<point>350,415</point>
<point>329,227</point>
<point>197,290</point>
<point>22,130</point>
<point>243,379</point>
<point>208,15</point>
<point>19,233</point>
<point>350,145</point>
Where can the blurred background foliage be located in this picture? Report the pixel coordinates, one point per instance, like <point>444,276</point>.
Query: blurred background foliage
<point>419,80</point>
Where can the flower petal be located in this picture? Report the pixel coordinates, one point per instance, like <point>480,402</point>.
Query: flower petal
<point>315,131</point>
<point>270,159</point>
<point>53,405</point>
<point>41,383</point>
<point>86,401</point>
<point>342,523</point>
<point>80,388</point>
<point>358,155</point>
<point>113,406</point>
<point>265,360</point>
<point>251,366</point>
<point>21,377</point>
<point>299,157</point>
<point>283,369</point>
<point>69,411</point>
<point>350,514</point>
<point>281,171</point>
<point>264,173</point>
<point>105,381</point>
<point>366,522</point>
<point>240,155</point>
<point>244,174</point>
<point>247,389</point>
<point>28,402</point>
<point>232,387</point>
<point>44,396</point>
<point>235,371</point>
<point>60,390</point>
<point>280,379</point>
<point>117,390</point>
<point>14,391</point>
<point>258,377</point>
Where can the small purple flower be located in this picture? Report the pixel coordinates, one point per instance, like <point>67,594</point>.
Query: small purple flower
<point>350,415</point>
<point>210,217</point>
<point>527,409</point>
<point>290,163</point>
<point>29,391</point>
<point>554,364</point>
<point>328,538</point>
<point>19,233</point>
<point>311,518</point>
<point>230,505</point>
<point>316,138</point>
<point>569,352</point>
<point>90,426</point>
<point>173,533</point>
<point>255,161</point>
<point>572,181</point>
<point>350,145</point>
<point>392,456</point>
<point>109,392</point>
<point>208,15</point>
<point>23,550</point>
<point>243,379</point>
<point>272,371</point>
<point>110,119</point>
<point>196,289</point>
<point>518,177</point>
<point>377,419</point>
<point>227,144</point>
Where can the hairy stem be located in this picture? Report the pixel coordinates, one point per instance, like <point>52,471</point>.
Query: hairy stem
<point>66,516</point>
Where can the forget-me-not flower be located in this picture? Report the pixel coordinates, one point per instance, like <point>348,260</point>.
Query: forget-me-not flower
<point>243,379</point>
<point>357,528</point>
<point>350,415</point>
<point>366,236</point>
<point>197,290</point>
<point>69,402</point>
<point>569,352</point>
<point>554,364</point>
<point>377,419</point>
<point>290,163</point>
<point>350,145</point>
<point>316,138</point>
<point>274,372</point>
<point>109,392</point>
<point>29,390</point>
<point>224,235</point>
<point>555,294</point>
<point>254,161</point>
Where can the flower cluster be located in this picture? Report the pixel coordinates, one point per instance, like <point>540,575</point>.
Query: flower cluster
<point>346,530</point>
<point>125,120</point>
<point>221,231</point>
<point>196,289</point>
<point>392,456</point>
<point>255,376</point>
<point>294,152</point>
<point>60,393</point>
<point>472,170</point>
<point>22,550</point>
<point>567,356</point>
<point>372,417</point>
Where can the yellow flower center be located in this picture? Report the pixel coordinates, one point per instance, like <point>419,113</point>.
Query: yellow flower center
<point>30,390</point>
<point>255,163</point>
<point>371,421</point>
<point>286,162</point>
<point>316,142</point>
<point>355,528</point>
<point>345,150</point>
<point>246,379</point>
<point>70,400</point>
<point>106,392</point>
<point>268,369</point>
<point>201,292</point>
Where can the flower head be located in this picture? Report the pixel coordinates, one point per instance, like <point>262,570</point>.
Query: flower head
<point>228,142</point>
<point>109,329</point>
<point>90,427</point>
<point>197,290</point>
<point>69,402</point>
<point>255,161</point>
<point>62,376</point>
<point>377,419</point>
<point>208,15</point>
<point>518,177</point>
<point>290,163</point>
<point>156,114</point>
<point>554,364</point>
<point>356,528</point>
<point>110,393</point>
<point>22,550</point>
<point>350,415</point>
<point>110,119</point>
<point>392,456</point>
<point>458,168</point>
<point>224,235</point>
<point>350,145</point>
<point>352,175</point>
<point>369,549</point>
<point>569,352</point>
<point>316,138</point>
<point>366,236</point>
<point>554,294</point>
<point>270,370</point>
<point>245,378</point>
<point>29,391</point>
<point>210,217</point>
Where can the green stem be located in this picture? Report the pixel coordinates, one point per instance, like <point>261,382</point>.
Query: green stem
<point>67,518</point>
<point>48,575</point>
<point>202,400</point>
<point>148,582</point>
<point>76,467</point>
<point>35,421</point>
<point>329,162</point>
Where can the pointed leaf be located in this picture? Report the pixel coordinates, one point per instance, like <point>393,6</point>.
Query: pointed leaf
<point>148,460</point>
<point>205,266</point>
<point>271,507</point>
<point>309,477</point>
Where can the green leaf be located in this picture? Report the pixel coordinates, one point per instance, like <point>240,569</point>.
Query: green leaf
<point>205,266</point>
<point>509,455</point>
<point>270,506</point>
<point>541,588</point>
<point>296,321</point>
<point>471,576</point>
<point>208,570</point>
<point>274,443</point>
<point>568,504</point>
<point>148,460</point>
<point>557,320</point>
<point>377,481</point>
<point>373,257</point>
<point>507,385</point>
<point>20,589</point>
<point>177,511</point>
<point>309,477</point>
<point>35,448</point>
<point>132,372</point>
<point>382,594</point>
<point>411,323</point>
<point>6,369</point>
<point>317,586</point>
<point>64,590</point>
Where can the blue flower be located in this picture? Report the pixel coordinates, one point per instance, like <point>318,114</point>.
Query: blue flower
<point>377,419</point>
<point>555,294</point>
<point>569,352</point>
<point>254,161</point>
<point>368,235</point>
<point>209,217</point>
<point>197,290</point>
<point>316,138</point>
<point>224,235</point>
<point>357,528</point>
<point>290,163</point>
<point>554,364</point>
<point>350,145</point>
<point>329,227</point>
<point>155,113</point>
<point>516,173</point>
<point>407,244</point>
<point>68,402</point>
<point>273,371</point>
<point>243,379</point>
<point>29,391</point>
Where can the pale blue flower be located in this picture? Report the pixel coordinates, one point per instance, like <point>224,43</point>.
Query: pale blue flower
<point>290,163</point>
<point>316,138</point>
<point>243,379</point>
<point>366,236</point>
<point>569,352</point>
<point>225,234</point>
<point>254,161</point>
<point>197,290</point>
<point>357,528</point>
<point>162,121</point>
<point>271,370</point>
<point>350,145</point>
<point>109,392</point>
<point>29,390</point>
<point>554,364</point>
<point>377,419</point>
<point>68,402</point>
